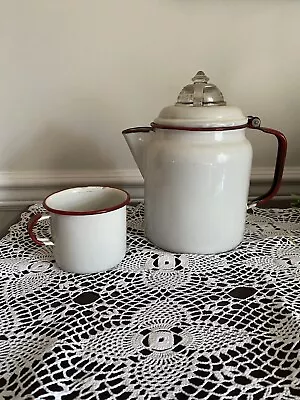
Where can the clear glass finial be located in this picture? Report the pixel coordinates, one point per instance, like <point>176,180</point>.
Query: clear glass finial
<point>201,93</point>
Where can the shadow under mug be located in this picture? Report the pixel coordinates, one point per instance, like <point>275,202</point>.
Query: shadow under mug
<point>88,228</point>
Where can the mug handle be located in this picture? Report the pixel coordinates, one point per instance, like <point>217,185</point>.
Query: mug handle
<point>254,123</point>
<point>32,223</point>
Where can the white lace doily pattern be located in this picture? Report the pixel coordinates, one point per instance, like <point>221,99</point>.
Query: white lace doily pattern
<point>159,325</point>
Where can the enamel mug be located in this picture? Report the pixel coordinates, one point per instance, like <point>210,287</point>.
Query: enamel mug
<point>88,228</point>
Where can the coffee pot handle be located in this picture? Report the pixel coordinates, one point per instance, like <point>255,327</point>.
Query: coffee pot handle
<point>32,223</point>
<point>254,123</point>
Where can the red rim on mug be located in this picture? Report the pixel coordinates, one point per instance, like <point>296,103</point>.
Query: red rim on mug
<point>89,212</point>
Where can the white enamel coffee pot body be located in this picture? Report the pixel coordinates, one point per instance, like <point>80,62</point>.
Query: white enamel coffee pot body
<point>196,162</point>
<point>196,190</point>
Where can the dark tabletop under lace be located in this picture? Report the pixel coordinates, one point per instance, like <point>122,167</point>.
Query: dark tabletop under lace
<point>159,325</point>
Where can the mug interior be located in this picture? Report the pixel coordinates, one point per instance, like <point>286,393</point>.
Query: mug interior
<point>86,200</point>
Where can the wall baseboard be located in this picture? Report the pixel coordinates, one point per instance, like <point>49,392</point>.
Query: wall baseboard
<point>20,189</point>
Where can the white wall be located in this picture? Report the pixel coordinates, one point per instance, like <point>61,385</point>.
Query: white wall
<point>74,73</point>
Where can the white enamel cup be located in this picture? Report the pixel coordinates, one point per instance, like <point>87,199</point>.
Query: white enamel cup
<point>88,228</point>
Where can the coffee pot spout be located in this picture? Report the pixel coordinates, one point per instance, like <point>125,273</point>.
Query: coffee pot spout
<point>138,139</point>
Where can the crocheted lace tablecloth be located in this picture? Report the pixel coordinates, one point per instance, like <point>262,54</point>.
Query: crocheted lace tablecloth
<point>157,326</point>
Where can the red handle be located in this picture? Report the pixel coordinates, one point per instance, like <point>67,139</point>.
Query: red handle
<point>254,123</point>
<point>33,221</point>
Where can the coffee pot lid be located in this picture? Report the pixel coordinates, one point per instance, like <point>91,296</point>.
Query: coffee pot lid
<point>200,104</point>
